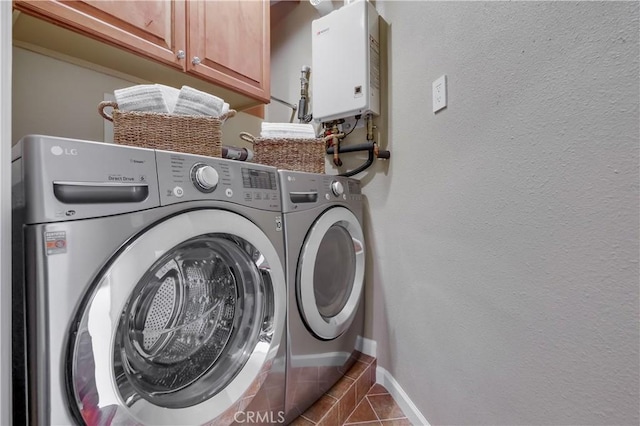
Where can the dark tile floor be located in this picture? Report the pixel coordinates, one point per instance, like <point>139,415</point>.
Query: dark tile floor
<point>355,400</point>
<point>378,408</point>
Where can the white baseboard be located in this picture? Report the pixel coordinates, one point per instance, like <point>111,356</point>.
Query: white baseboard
<point>366,346</point>
<point>400,396</point>
<point>369,347</point>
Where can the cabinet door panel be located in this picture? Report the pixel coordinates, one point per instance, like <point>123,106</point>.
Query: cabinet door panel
<point>231,39</point>
<point>155,29</point>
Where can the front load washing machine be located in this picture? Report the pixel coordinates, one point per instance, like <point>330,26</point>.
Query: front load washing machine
<point>149,287</point>
<point>325,261</point>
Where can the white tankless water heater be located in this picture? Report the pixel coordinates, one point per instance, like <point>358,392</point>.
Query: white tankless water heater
<point>346,63</point>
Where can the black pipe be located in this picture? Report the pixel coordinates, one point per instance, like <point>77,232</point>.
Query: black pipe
<point>370,147</point>
<point>385,155</point>
<point>367,146</point>
<point>235,153</point>
<point>363,167</point>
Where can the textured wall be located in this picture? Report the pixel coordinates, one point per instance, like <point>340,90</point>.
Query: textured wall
<point>503,237</point>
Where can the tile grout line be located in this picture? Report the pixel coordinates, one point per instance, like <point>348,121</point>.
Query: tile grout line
<point>355,400</point>
<point>308,419</point>
<point>376,394</point>
<point>333,406</point>
<point>372,409</point>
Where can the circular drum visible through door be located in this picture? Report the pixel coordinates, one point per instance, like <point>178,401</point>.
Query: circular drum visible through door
<point>331,273</point>
<point>183,322</point>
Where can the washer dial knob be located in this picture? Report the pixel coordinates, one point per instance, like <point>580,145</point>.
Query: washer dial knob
<point>205,178</point>
<point>337,188</point>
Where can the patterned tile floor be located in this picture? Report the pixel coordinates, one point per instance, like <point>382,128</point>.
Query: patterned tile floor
<point>378,408</point>
<point>355,400</point>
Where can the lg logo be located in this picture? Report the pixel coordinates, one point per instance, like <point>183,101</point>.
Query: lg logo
<point>56,150</point>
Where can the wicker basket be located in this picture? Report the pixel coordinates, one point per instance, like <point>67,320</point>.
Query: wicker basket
<point>181,133</point>
<point>303,155</point>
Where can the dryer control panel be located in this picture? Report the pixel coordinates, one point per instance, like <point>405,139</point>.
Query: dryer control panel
<point>304,191</point>
<point>186,177</point>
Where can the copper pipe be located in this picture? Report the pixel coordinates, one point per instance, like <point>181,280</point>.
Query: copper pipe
<point>369,127</point>
<point>336,144</point>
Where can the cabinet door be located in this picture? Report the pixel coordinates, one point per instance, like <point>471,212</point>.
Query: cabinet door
<point>155,29</point>
<point>230,40</point>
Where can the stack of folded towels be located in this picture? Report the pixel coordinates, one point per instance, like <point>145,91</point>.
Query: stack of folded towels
<point>287,131</point>
<point>169,100</point>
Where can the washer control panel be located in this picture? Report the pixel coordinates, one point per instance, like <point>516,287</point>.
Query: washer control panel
<point>303,191</point>
<point>186,177</point>
<point>205,178</point>
<point>337,188</point>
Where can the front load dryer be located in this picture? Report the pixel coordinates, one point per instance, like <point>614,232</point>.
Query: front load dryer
<point>325,263</point>
<point>149,287</point>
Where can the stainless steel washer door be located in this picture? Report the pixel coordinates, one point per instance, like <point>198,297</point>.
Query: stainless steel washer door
<point>331,273</point>
<point>183,323</point>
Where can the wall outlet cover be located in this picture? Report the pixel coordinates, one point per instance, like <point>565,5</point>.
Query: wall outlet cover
<point>439,93</point>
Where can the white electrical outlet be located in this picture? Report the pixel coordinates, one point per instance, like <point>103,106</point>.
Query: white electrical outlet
<point>440,93</point>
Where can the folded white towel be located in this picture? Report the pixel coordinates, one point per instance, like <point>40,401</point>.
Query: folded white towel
<point>142,98</point>
<point>287,130</point>
<point>225,110</point>
<point>170,96</point>
<point>287,126</point>
<point>285,133</point>
<point>194,102</point>
<point>301,131</point>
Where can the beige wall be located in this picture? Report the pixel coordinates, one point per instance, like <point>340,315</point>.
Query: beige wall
<point>58,98</point>
<point>503,237</point>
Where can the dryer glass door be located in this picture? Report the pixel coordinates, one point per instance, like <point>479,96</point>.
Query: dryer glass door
<point>182,324</point>
<point>331,273</point>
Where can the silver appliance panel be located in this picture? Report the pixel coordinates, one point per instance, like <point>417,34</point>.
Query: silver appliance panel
<point>188,358</point>
<point>89,245</point>
<point>306,191</point>
<point>308,199</point>
<point>114,188</point>
<point>247,184</point>
<point>68,179</point>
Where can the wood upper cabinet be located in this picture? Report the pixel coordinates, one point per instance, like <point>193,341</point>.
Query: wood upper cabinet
<point>228,41</point>
<point>230,38</point>
<point>152,28</point>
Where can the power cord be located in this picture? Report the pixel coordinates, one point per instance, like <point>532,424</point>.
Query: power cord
<point>353,128</point>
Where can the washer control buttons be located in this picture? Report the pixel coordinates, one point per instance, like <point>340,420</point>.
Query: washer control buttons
<point>178,191</point>
<point>229,192</point>
<point>205,178</point>
<point>337,188</point>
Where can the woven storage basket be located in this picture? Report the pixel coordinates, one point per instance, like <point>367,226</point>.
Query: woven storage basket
<point>182,133</point>
<point>303,155</point>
